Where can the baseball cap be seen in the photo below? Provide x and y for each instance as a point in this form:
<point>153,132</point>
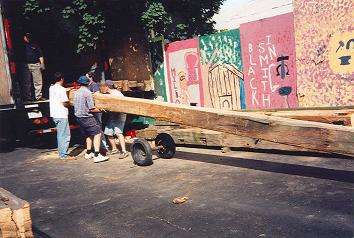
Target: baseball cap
<point>83,80</point>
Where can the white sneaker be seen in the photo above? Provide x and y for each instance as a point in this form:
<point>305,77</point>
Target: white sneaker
<point>100,158</point>
<point>89,156</point>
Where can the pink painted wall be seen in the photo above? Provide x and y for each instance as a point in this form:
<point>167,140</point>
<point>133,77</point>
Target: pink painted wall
<point>184,72</point>
<point>268,54</point>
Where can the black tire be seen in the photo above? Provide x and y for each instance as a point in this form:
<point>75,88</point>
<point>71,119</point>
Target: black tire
<point>141,152</point>
<point>168,149</point>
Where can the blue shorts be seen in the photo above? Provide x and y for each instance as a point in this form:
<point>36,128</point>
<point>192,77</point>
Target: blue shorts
<point>115,124</point>
<point>89,126</point>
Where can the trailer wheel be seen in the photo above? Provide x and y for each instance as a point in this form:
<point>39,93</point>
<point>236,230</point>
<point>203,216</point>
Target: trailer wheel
<point>141,152</point>
<point>166,146</point>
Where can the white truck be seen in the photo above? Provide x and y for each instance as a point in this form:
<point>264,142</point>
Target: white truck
<point>19,121</point>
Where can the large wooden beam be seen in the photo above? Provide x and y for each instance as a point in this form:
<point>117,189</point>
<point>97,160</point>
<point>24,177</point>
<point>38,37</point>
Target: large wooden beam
<point>310,135</point>
<point>336,116</point>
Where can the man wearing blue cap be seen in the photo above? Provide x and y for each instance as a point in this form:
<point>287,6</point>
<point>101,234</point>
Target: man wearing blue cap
<point>84,108</point>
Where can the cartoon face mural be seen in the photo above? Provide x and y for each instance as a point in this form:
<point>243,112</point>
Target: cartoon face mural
<point>222,70</point>
<point>341,52</point>
<point>268,53</point>
<point>324,33</point>
<point>184,73</point>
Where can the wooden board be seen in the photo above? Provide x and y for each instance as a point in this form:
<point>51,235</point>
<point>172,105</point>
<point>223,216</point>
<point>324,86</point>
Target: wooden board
<point>310,135</point>
<point>342,116</point>
<point>15,218</point>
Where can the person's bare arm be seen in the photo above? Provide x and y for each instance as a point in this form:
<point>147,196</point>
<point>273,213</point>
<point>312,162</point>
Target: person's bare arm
<point>66,104</point>
<point>41,60</point>
<point>95,110</point>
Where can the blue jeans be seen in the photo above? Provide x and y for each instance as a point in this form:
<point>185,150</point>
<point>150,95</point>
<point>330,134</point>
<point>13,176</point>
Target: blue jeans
<point>63,136</point>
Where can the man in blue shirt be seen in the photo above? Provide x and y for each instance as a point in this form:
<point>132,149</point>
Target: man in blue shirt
<point>84,108</point>
<point>95,87</point>
<point>33,66</point>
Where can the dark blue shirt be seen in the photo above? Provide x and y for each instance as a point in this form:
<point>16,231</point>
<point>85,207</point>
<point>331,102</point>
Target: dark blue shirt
<point>32,53</point>
<point>94,87</point>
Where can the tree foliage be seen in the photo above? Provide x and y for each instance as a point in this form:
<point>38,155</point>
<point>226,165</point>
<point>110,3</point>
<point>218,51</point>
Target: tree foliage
<point>87,21</point>
<point>81,19</point>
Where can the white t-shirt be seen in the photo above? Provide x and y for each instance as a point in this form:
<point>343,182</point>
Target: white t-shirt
<point>116,92</point>
<point>57,95</point>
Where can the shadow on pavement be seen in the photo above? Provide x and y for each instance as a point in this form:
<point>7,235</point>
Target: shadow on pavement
<point>277,151</point>
<point>39,234</point>
<point>276,167</point>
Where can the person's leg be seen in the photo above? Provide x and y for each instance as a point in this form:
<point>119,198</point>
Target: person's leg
<point>109,132</point>
<point>119,128</point>
<point>122,142</point>
<point>97,143</point>
<point>26,84</point>
<point>112,142</point>
<point>88,144</point>
<point>98,117</point>
<point>94,130</point>
<point>37,80</point>
<point>89,152</point>
<point>63,136</point>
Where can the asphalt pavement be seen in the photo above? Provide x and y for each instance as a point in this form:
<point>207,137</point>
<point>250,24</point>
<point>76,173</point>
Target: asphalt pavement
<point>238,194</point>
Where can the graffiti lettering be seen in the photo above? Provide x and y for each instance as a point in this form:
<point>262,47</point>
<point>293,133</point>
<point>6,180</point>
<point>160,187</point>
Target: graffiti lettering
<point>263,42</point>
<point>263,59</point>
<point>266,100</point>
<point>266,54</point>
<point>252,71</point>
<point>254,97</point>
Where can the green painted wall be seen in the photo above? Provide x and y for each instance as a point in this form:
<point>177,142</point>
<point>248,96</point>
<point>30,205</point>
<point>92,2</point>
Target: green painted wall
<point>222,52</point>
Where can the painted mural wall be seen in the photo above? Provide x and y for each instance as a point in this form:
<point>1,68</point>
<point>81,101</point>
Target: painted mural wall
<point>158,69</point>
<point>324,32</point>
<point>184,72</point>
<point>222,75</point>
<point>268,53</point>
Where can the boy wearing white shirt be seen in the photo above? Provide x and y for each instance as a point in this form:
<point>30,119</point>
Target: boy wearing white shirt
<point>59,103</point>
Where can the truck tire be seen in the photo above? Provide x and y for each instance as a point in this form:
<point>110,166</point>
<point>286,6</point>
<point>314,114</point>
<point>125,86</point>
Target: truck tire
<point>166,144</point>
<point>141,152</point>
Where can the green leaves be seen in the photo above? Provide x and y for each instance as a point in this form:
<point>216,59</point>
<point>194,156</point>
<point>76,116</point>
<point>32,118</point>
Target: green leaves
<point>85,22</point>
<point>82,14</point>
<point>180,19</point>
<point>156,18</point>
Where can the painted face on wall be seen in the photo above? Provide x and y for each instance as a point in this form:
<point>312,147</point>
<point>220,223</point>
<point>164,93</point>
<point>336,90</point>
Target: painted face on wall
<point>341,52</point>
<point>182,76</point>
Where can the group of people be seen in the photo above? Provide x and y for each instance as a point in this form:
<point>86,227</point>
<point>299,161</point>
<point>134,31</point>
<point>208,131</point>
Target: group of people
<point>88,117</point>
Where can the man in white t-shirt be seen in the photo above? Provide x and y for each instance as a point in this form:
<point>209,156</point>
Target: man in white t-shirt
<point>59,103</point>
